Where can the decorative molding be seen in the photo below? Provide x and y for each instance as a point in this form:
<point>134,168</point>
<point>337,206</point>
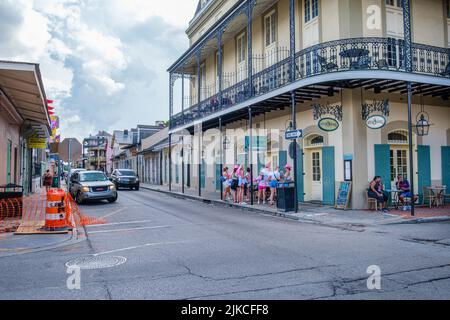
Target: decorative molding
<point>334,110</point>
<point>376,106</point>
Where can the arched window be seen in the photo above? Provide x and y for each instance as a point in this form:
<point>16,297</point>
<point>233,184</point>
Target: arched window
<point>398,137</point>
<point>314,140</point>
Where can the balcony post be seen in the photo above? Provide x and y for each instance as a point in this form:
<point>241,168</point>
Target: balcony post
<point>250,5</point>
<point>182,95</point>
<point>199,80</point>
<point>221,157</point>
<point>250,151</point>
<point>408,67</point>
<point>294,127</point>
<point>292,37</point>
<point>220,62</point>
<point>200,131</point>
<point>182,164</point>
<point>170,162</point>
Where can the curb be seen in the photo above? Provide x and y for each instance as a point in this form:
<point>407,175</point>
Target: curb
<point>221,203</point>
<point>286,215</point>
<point>421,220</point>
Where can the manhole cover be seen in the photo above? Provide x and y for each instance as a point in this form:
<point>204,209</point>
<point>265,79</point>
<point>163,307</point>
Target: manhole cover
<point>98,262</point>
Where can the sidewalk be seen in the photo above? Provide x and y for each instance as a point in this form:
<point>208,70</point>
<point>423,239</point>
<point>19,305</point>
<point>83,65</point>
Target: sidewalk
<point>315,213</point>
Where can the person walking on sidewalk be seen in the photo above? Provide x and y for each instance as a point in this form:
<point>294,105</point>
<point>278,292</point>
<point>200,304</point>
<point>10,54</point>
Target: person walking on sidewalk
<point>226,184</point>
<point>48,181</point>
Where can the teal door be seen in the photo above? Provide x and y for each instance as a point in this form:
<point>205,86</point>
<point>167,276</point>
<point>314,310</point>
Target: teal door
<point>177,173</point>
<point>218,174</point>
<point>8,162</point>
<point>203,176</point>
<point>328,169</point>
<point>382,164</point>
<point>424,168</point>
<point>299,179</point>
<point>445,155</point>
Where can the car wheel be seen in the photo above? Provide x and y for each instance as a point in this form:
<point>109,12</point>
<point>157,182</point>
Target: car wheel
<point>112,200</point>
<point>78,199</point>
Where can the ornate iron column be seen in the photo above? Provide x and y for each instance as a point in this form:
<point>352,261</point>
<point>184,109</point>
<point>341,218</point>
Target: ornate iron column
<point>250,5</point>
<point>408,67</point>
<point>292,37</point>
<point>219,64</point>
<point>294,149</point>
<point>199,80</point>
<point>221,157</point>
<point>250,151</point>
<point>170,162</point>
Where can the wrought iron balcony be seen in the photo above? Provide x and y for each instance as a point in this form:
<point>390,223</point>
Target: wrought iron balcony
<point>355,54</point>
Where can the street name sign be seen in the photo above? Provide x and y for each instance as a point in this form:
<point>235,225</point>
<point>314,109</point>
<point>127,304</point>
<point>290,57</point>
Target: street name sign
<point>294,134</point>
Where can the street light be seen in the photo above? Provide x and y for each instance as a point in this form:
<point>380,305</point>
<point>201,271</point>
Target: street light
<point>422,121</point>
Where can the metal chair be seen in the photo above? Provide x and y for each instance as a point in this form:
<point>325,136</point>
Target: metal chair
<point>428,195</point>
<point>371,201</point>
<point>446,72</point>
<point>325,65</point>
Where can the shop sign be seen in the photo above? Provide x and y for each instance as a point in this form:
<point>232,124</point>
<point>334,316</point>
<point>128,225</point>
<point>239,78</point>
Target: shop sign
<point>376,122</point>
<point>328,124</point>
<point>37,143</point>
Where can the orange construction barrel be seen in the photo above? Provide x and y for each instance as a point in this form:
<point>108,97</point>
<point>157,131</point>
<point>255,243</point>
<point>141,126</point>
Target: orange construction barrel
<point>55,211</point>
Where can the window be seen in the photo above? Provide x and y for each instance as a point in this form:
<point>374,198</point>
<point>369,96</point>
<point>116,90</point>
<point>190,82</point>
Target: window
<point>241,47</point>
<point>270,28</point>
<point>448,9</point>
<point>311,10</point>
<point>316,173</point>
<point>318,140</point>
<point>394,3</point>
<point>398,137</point>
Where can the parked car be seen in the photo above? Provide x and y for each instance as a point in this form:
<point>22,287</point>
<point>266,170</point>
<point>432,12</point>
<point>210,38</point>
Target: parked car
<point>125,178</point>
<point>92,185</point>
<point>71,172</point>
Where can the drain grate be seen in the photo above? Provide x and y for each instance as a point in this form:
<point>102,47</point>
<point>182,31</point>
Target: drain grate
<point>96,262</point>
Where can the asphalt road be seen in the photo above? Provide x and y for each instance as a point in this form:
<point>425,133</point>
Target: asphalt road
<point>180,249</point>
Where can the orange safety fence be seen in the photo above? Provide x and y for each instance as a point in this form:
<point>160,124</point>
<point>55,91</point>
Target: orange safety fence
<point>27,214</point>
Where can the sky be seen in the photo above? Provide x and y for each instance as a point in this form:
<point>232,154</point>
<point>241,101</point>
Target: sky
<point>103,62</point>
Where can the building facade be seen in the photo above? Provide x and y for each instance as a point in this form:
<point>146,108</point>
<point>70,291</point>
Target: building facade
<point>24,125</point>
<point>337,69</point>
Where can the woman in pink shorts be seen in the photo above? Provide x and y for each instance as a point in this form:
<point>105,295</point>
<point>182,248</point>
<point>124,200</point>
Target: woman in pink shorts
<point>261,188</point>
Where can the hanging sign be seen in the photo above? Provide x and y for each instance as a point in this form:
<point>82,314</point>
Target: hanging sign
<point>37,143</point>
<point>376,122</point>
<point>328,124</point>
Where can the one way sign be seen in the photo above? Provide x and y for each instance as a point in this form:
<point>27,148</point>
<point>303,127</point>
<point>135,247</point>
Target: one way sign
<point>294,134</point>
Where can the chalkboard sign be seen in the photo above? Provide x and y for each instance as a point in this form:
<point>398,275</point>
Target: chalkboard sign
<point>343,196</point>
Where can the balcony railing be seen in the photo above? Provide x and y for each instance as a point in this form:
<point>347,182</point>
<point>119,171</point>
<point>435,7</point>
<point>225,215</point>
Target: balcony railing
<point>356,54</point>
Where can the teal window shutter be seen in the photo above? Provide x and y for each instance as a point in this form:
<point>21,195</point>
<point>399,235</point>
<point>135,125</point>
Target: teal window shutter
<point>328,168</point>
<point>382,164</point>
<point>445,155</point>
<point>177,174</point>
<point>424,168</point>
<point>282,159</point>
<point>300,178</point>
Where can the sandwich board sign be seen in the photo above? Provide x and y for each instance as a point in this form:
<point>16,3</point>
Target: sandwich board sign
<point>343,196</point>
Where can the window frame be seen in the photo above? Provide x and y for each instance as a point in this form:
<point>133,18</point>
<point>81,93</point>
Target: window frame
<point>272,16</point>
<point>311,10</point>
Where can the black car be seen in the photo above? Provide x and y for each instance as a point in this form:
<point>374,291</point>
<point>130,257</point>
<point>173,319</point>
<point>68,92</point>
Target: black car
<point>125,178</point>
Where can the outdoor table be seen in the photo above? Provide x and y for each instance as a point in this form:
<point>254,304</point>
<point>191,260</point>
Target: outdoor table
<point>354,55</point>
<point>438,193</point>
<point>394,197</point>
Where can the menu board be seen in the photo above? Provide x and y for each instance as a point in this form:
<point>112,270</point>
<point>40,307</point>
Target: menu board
<point>343,196</point>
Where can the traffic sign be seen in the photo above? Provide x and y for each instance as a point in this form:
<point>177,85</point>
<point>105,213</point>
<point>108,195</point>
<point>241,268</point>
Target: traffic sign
<point>294,134</point>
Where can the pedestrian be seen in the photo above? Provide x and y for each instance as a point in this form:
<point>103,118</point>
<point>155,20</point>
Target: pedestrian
<point>261,182</point>
<point>247,180</point>
<point>235,183</point>
<point>287,175</point>
<point>48,180</point>
<point>241,174</point>
<point>274,178</point>
<point>376,191</point>
<point>226,184</point>
<point>404,190</point>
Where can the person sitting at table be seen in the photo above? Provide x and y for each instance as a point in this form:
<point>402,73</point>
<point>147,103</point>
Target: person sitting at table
<point>404,190</point>
<point>376,191</point>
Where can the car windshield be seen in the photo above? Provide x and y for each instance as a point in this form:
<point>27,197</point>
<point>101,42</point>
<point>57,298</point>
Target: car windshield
<point>92,176</point>
<point>127,173</point>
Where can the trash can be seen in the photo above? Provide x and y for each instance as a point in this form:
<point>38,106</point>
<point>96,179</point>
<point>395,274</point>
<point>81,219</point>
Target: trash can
<point>286,197</point>
<point>55,183</point>
<point>11,196</point>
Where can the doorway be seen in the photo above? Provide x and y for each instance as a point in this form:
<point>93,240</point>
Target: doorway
<point>313,168</point>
